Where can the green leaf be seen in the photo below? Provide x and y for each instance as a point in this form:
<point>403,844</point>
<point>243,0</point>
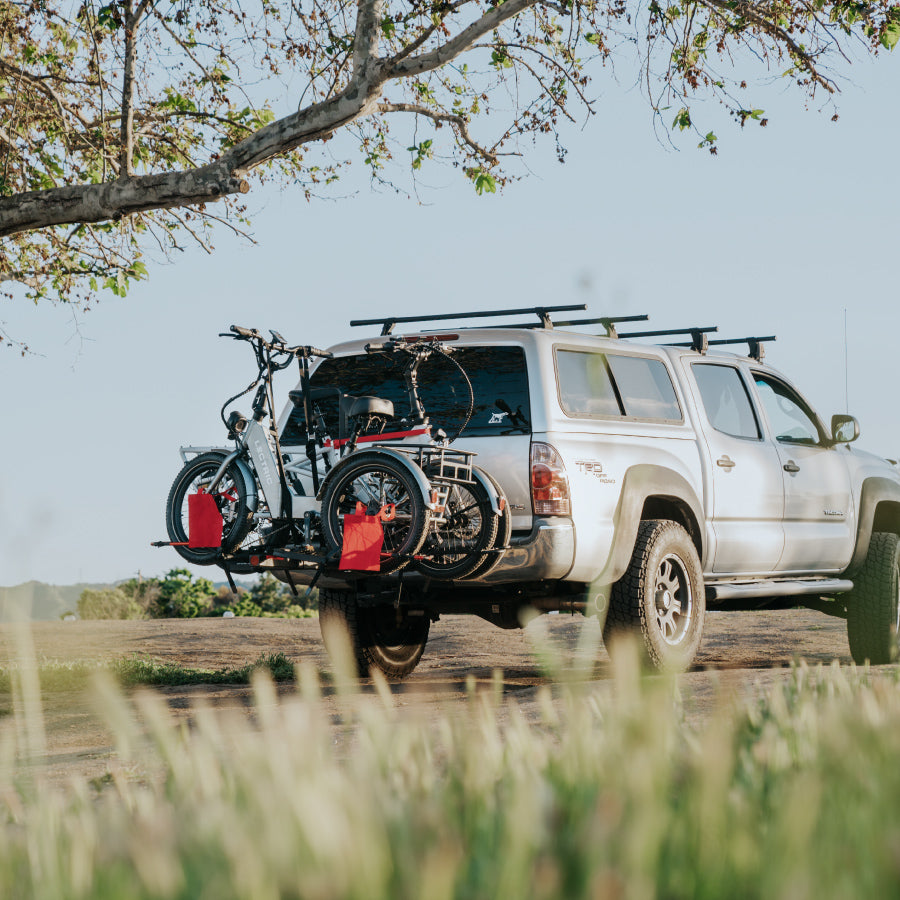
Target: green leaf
<point>500,58</point>
<point>682,120</point>
<point>891,35</point>
<point>485,182</point>
<point>592,38</point>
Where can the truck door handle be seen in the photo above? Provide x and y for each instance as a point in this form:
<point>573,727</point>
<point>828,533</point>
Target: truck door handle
<point>791,466</point>
<point>725,462</point>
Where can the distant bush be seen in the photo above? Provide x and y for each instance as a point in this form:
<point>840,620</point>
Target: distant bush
<point>180,595</point>
<point>145,592</point>
<point>273,597</point>
<point>108,604</point>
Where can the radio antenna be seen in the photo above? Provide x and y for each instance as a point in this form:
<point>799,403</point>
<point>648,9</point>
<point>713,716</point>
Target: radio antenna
<point>846,368</point>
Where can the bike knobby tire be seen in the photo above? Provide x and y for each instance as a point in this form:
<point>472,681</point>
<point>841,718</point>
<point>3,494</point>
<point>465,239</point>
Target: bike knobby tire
<point>377,480</point>
<point>231,499</point>
<point>459,543</point>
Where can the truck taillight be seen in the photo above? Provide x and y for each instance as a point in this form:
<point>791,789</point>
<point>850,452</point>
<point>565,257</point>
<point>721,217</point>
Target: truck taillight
<point>549,483</point>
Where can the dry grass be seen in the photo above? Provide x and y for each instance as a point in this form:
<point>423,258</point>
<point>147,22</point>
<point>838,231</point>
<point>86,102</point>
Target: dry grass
<point>612,795</point>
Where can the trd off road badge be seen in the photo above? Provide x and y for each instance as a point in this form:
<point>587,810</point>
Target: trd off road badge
<point>594,467</point>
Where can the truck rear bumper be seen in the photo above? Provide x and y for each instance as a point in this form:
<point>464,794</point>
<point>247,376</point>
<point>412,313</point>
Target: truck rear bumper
<point>546,553</point>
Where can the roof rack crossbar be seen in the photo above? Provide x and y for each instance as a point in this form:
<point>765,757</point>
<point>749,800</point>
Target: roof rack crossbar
<point>699,340</point>
<point>754,344</point>
<point>608,322</point>
<point>387,323</point>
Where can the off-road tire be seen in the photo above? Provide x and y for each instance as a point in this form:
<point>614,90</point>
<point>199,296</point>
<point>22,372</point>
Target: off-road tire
<point>873,606</point>
<point>660,599</point>
<point>237,513</point>
<point>376,640</point>
<point>403,537</point>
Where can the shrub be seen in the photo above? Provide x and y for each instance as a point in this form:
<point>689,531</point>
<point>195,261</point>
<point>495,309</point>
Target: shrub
<point>183,597</point>
<point>108,604</point>
<point>145,592</point>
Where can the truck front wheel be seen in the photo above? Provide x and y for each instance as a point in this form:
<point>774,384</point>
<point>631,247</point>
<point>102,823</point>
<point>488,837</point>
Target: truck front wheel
<point>379,639</point>
<point>660,599</point>
<point>873,606</point>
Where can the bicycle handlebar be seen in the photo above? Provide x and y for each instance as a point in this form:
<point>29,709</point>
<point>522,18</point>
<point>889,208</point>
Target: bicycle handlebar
<point>277,344</point>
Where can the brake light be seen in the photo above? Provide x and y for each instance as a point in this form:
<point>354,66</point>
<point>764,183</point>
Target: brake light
<point>415,338</point>
<point>549,482</point>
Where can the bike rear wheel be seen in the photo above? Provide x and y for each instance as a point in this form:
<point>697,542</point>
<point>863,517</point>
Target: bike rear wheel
<point>377,480</point>
<point>458,544</point>
<point>231,499</point>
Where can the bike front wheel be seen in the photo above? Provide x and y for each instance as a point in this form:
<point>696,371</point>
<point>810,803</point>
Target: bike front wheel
<point>231,499</point>
<point>377,481</point>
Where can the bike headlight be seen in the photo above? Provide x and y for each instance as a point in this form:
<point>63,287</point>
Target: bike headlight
<point>237,423</point>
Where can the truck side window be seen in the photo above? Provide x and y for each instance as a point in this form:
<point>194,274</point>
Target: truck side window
<point>614,385</point>
<point>585,388</point>
<point>645,387</point>
<point>792,421</point>
<point>726,401</point>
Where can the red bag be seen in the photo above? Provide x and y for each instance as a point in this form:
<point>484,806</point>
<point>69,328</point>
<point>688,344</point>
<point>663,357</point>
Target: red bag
<point>363,540</point>
<point>204,521</point>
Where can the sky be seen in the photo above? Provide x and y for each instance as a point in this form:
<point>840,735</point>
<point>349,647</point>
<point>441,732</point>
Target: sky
<point>787,231</point>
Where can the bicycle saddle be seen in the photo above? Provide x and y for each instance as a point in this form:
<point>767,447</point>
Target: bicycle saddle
<point>371,406</point>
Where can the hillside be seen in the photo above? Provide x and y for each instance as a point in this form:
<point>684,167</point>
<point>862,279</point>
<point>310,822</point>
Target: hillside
<point>39,601</point>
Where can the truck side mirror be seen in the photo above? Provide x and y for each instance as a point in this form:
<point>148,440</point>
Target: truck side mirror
<point>844,429</point>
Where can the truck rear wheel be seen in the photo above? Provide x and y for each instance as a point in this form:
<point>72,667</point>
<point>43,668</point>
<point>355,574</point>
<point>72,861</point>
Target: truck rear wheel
<point>377,639</point>
<point>873,606</point>
<point>660,599</point>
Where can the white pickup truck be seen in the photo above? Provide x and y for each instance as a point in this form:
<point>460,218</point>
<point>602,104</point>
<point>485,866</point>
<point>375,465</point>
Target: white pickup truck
<point>645,482</point>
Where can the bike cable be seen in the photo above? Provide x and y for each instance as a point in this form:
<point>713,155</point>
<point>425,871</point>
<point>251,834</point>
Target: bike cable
<point>440,350</point>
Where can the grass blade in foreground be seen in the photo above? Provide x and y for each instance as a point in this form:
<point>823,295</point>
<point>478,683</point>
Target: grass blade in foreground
<point>607,796</point>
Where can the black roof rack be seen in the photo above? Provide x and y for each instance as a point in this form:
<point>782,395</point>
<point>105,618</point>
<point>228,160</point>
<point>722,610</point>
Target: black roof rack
<point>608,322</point>
<point>699,340</point>
<point>755,345</point>
<point>387,323</point>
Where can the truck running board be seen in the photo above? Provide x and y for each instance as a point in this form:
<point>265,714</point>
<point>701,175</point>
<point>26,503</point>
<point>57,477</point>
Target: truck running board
<point>746,590</point>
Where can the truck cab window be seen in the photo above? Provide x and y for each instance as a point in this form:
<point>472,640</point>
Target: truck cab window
<point>725,400</point>
<point>792,421</point>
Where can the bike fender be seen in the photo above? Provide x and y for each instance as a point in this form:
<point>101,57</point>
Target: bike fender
<point>418,475</point>
<point>242,467</point>
<point>481,477</point>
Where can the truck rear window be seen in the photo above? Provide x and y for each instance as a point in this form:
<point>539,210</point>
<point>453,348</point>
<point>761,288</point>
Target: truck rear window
<point>499,382</point>
<point>615,385</point>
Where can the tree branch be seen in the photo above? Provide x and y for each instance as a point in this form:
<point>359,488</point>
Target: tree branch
<point>365,40</point>
<point>434,59</point>
<point>126,126</point>
<point>749,11</point>
<point>102,202</point>
<point>457,122</point>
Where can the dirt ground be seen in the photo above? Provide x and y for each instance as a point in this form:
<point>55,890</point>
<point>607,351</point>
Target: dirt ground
<point>741,652</point>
